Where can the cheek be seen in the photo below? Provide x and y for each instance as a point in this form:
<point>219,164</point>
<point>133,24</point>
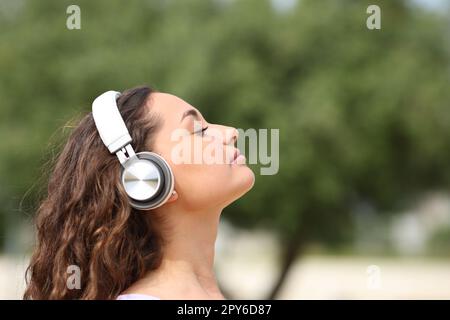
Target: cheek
<point>203,185</point>
<point>202,177</point>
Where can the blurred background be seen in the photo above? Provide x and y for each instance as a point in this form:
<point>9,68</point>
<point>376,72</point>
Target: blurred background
<point>360,206</point>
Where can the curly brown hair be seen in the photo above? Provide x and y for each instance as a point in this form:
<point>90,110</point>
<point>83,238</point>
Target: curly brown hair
<point>85,218</point>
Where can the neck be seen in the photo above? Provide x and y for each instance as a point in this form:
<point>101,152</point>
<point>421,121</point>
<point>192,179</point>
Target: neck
<point>188,254</point>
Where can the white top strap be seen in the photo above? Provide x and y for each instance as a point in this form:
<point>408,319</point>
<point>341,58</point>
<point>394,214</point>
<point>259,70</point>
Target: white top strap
<point>109,122</point>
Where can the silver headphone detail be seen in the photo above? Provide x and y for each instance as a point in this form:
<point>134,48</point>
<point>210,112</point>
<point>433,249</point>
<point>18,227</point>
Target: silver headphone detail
<point>146,176</point>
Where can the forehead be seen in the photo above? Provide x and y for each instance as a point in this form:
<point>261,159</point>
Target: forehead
<point>169,107</point>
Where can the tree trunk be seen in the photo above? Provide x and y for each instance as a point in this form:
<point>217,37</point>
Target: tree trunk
<point>289,253</point>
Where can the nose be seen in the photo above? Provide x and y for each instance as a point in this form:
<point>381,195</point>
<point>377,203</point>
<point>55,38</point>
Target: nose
<point>232,135</point>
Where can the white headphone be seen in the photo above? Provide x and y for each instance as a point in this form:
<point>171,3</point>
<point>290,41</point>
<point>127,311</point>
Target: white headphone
<point>147,178</point>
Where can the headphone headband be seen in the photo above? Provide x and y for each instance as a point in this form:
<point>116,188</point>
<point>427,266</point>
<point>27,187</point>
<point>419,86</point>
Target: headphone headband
<point>109,122</point>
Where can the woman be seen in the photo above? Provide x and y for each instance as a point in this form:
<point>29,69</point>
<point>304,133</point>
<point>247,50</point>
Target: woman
<point>122,252</point>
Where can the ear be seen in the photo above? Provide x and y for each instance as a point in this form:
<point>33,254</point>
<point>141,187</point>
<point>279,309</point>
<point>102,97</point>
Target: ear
<point>173,197</point>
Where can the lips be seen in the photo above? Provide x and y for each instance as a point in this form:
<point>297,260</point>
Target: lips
<point>236,154</point>
<point>238,158</point>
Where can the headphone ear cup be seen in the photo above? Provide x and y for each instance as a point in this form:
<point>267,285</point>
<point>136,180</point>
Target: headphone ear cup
<point>155,183</point>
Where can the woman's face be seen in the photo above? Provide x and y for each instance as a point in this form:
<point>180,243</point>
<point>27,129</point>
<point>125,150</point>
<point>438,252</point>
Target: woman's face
<point>201,160</point>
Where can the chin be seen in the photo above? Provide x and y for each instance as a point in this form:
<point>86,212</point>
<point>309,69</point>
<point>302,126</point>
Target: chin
<point>243,180</point>
<point>246,179</point>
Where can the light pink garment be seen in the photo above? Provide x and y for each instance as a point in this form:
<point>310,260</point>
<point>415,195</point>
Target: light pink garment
<point>136,296</point>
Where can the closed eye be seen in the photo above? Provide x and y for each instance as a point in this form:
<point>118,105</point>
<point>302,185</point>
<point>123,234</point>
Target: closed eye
<point>202,132</point>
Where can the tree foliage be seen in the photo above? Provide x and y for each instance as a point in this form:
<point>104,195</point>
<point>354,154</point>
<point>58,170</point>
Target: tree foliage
<point>363,115</point>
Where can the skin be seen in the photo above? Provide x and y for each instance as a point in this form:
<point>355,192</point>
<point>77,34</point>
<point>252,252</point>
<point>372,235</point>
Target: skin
<point>192,213</point>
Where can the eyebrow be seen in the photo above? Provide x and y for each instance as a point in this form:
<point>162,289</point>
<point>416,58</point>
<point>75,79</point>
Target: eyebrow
<point>190,112</point>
